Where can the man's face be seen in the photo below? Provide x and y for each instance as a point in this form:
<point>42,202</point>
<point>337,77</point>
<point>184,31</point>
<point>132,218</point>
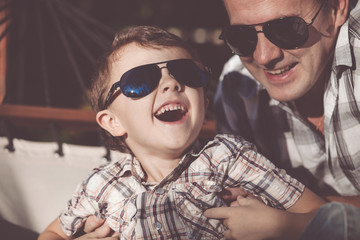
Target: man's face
<point>287,74</point>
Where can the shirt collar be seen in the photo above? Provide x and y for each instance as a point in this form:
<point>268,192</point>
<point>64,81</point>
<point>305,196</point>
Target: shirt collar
<point>130,165</point>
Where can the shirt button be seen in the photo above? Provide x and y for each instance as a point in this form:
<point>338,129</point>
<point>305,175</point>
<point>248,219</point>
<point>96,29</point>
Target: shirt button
<point>157,225</point>
<point>160,191</point>
<point>217,188</point>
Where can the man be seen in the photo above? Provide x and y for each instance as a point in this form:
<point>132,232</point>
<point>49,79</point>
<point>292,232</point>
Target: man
<point>302,109</point>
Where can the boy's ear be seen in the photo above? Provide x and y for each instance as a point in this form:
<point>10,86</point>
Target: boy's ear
<point>108,121</point>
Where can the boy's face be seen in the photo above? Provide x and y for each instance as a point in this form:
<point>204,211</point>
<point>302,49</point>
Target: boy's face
<point>166,121</point>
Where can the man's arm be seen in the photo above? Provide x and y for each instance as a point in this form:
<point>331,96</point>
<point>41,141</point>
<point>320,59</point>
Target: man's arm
<point>249,218</point>
<point>94,228</point>
<point>53,232</point>
<point>353,200</point>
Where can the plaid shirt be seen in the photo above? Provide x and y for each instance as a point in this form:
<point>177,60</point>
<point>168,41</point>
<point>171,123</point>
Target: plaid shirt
<point>324,163</point>
<point>173,208</point>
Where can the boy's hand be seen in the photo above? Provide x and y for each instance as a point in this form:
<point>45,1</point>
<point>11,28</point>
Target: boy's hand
<point>95,228</point>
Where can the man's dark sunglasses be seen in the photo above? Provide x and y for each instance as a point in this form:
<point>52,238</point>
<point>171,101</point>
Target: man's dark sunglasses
<point>142,80</point>
<point>286,33</point>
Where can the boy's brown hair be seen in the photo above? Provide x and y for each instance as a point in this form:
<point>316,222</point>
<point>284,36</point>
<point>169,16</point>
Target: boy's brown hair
<point>145,36</point>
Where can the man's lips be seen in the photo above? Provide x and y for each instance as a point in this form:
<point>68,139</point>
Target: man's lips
<point>280,71</point>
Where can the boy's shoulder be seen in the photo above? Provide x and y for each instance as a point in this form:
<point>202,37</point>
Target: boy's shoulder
<point>231,142</point>
<point>225,146</point>
<point>108,172</point>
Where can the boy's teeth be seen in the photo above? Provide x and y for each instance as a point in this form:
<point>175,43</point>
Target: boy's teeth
<point>169,108</point>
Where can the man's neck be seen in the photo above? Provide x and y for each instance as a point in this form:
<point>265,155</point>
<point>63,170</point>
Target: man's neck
<point>311,105</point>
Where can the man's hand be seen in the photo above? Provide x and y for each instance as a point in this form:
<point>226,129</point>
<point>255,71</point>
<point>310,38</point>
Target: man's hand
<point>230,195</point>
<point>96,228</point>
<point>248,218</point>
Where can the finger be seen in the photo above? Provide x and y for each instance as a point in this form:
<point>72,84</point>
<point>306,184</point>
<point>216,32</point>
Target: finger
<point>218,213</point>
<point>111,238</point>
<point>244,201</point>
<point>235,203</point>
<point>232,193</point>
<point>92,223</point>
<point>248,201</point>
<point>228,235</point>
<point>103,231</point>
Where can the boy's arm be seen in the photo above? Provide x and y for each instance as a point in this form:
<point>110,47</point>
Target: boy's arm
<point>307,202</point>
<point>53,232</point>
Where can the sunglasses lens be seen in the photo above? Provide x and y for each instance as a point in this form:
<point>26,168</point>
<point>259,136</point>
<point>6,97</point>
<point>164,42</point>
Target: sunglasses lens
<point>140,81</point>
<point>287,33</point>
<point>242,40</point>
<point>188,73</point>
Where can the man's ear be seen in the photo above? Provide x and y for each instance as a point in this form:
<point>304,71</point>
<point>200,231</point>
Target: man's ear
<point>341,8</point>
<point>110,122</point>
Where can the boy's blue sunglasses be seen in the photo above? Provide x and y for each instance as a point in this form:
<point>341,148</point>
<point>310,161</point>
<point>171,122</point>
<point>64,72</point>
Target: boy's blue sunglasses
<point>142,80</point>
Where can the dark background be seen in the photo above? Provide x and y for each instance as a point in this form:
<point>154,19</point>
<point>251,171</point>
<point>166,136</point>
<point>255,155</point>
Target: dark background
<point>54,44</point>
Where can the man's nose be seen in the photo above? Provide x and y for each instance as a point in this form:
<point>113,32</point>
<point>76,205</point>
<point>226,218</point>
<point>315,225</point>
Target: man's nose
<point>266,52</point>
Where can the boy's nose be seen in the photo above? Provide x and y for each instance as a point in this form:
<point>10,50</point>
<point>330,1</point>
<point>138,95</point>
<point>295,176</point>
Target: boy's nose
<point>168,82</point>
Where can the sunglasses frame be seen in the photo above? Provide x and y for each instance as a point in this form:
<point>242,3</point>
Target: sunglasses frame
<point>115,89</point>
<point>266,33</point>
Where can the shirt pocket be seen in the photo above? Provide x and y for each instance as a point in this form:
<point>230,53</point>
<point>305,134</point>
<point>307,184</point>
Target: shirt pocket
<point>121,217</point>
<point>198,196</point>
<point>192,199</point>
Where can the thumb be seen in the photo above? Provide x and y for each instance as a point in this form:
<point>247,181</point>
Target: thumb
<point>218,213</point>
<point>241,201</point>
<point>103,231</point>
<point>92,223</point>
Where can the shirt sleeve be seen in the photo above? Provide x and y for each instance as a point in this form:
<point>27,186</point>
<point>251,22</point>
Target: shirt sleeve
<point>79,207</point>
<point>250,170</point>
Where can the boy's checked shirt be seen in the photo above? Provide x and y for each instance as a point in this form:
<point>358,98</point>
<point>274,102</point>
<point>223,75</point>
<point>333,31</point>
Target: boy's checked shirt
<point>173,208</point>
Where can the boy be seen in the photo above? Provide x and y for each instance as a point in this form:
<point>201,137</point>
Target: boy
<point>160,189</point>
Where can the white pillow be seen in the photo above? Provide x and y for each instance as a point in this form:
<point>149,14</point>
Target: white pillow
<point>35,184</point>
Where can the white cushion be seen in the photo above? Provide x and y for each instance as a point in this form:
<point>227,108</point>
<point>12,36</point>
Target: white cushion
<point>35,183</point>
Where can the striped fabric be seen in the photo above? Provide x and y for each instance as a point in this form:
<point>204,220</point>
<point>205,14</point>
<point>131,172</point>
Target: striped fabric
<point>173,208</point>
<point>342,113</point>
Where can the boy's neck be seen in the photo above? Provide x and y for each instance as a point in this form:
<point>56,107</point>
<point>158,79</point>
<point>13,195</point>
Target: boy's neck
<point>157,168</point>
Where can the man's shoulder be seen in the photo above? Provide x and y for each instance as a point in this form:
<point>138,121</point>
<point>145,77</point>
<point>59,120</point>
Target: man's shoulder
<point>234,64</point>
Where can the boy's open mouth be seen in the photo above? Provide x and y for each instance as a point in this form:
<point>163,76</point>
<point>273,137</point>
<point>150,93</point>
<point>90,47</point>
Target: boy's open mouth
<point>171,113</point>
